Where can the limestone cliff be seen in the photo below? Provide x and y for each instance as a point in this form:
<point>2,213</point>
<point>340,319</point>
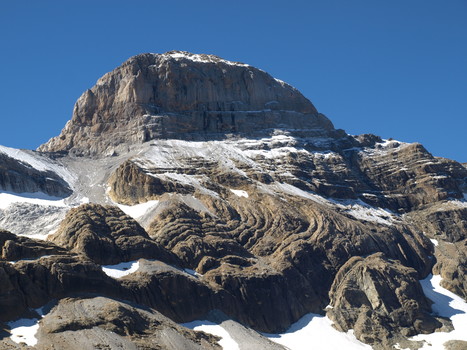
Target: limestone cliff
<point>181,95</point>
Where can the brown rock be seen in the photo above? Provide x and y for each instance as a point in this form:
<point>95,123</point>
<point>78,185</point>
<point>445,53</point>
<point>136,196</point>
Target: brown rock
<point>177,93</point>
<point>15,247</point>
<point>31,284</point>
<point>101,323</point>
<point>446,222</point>
<point>106,235</point>
<point>381,300</point>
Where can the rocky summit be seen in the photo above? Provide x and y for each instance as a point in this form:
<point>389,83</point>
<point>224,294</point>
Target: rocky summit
<point>197,203</point>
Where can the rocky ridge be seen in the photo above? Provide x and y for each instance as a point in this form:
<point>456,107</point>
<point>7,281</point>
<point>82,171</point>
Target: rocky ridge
<point>240,197</point>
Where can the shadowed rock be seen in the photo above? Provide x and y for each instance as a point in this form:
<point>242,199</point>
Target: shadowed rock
<point>20,177</point>
<point>15,247</point>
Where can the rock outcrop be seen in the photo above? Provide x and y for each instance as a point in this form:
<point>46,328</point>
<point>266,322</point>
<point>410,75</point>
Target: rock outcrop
<point>106,235</point>
<point>380,299</point>
<point>446,224</point>
<point>15,247</point>
<point>102,323</point>
<point>31,284</point>
<point>20,177</point>
<point>178,94</point>
<point>243,199</point>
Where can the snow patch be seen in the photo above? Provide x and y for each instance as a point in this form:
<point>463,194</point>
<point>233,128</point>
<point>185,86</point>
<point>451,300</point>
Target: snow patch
<point>240,193</point>
<point>24,330</point>
<point>316,331</point>
<point>40,198</point>
<point>227,342</point>
<point>295,191</point>
<point>445,304</point>
<point>203,58</point>
<point>38,162</point>
<point>138,210</point>
<point>362,211</point>
<point>121,270</point>
<point>192,273</point>
<point>434,241</point>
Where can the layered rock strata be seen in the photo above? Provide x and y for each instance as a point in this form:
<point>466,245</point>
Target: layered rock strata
<point>178,94</point>
<point>243,199</point>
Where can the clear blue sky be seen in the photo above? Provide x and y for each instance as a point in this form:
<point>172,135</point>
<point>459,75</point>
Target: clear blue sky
<point>394,68</point>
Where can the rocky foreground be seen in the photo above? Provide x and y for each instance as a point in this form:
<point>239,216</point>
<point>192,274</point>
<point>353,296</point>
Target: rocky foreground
<point>231,199</point>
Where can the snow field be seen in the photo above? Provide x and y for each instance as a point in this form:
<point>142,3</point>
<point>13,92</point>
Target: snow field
<point>445,304</point>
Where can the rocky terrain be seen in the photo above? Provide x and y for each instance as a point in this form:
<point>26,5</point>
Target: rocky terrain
<point>187,188</point>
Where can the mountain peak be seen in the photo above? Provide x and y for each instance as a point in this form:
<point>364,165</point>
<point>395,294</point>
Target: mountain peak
<point>182,95</point>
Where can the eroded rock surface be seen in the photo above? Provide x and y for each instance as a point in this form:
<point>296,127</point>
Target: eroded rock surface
<point>244,199</point>
<point>446,224</point>
<point>21,177</point>
<point>101,323</point>
<point>177,93</point>
<point>106,235</point>
<point>380,299</point>
<point>15,247</point>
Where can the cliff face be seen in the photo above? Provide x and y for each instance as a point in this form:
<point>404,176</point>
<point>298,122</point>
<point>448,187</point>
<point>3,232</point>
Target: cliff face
<point>182,95</point>
<point>234,195</point>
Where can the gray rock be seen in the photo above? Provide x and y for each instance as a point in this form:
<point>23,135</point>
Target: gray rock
<point>178,94</point>
<point>107,235</point>
<point>381,300</point>
<point>102,323</point>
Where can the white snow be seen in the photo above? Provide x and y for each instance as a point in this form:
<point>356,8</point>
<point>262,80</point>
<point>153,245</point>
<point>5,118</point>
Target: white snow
<point>446,304</point>
<point>121,270</point>
<point>40,198</point>
<point>24,330</point>
<point>138,210</point>
<point>316,332</point>
<point>356,208</point>
<point>240,193</point>
<point>192,273</point>
<point>203,58</point>
<point>310,329</point>
<point>38,162</point>
<point>226,342</point>
<point>434,241</point>
<point>362,211</point>
<point>295,191</point>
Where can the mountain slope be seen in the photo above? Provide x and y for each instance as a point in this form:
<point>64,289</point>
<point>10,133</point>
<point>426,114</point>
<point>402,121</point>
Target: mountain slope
<point>234,194</point>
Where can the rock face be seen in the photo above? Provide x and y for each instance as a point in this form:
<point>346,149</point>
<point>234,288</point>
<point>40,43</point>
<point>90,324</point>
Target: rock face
<point>446,223</point>
<point>107,236</point>
<point>15,247</point>
<point>19,176</point>
<point>32,284</point>
<point>380,299</point>
<point>178,94</point>
<point>101,323</point>
<point>235,197</point>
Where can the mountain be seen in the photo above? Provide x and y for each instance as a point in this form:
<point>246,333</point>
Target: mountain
<point>191,192</point>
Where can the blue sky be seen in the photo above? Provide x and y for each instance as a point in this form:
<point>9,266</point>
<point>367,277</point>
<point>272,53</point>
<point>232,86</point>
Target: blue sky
<point>393,68</point>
